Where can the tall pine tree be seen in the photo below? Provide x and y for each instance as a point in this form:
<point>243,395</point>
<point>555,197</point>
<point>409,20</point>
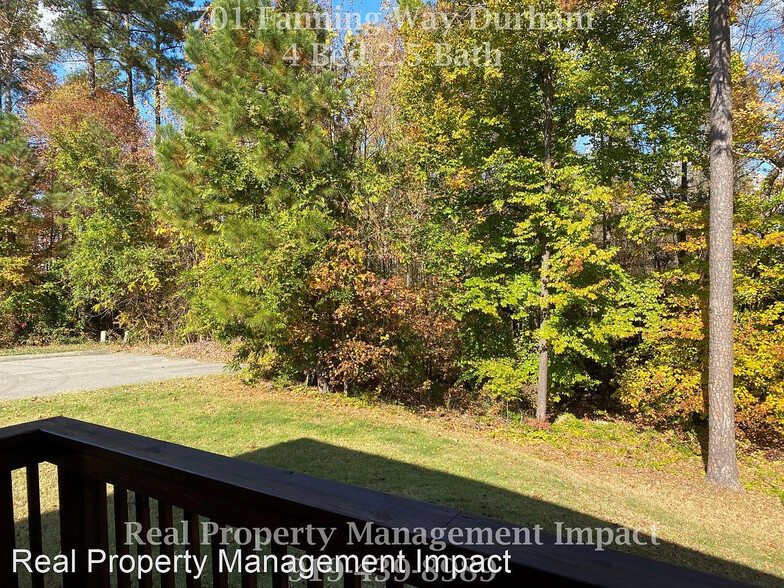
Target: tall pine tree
<point>722,458</point>
<point>22,46</point>
<point>254,174</point>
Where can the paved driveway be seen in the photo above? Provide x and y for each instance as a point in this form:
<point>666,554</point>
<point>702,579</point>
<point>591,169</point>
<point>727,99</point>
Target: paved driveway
<point>22,376</point>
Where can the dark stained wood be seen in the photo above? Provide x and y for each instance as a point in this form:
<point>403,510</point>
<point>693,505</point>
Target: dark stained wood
<point>166,521</point>
<point>97,526</point>
<point>351,580</point>
<point>83,526</point>
<point>249,580</point>
<point>29,446</point>
<point>194,546</point>
<point>71,527</point>
<point>7,531</point>
<point>239,493</point>
<point>143,517</point>
<point>279,580</point>
<point>120,520</point>
<point>220,578</point>
<point>34,519</point>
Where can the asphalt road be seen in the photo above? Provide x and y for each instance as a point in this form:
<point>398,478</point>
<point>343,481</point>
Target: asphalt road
<point>23,376</point>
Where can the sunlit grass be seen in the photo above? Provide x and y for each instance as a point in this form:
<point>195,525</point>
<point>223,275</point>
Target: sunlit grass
<point>579,472</point>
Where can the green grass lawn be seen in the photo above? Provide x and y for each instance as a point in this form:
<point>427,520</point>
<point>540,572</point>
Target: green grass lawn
<point>44,349</point>
<point>581,473</point>
<point>202,351</point>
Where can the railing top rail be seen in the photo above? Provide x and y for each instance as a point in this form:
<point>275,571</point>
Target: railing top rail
<point>238,492</point>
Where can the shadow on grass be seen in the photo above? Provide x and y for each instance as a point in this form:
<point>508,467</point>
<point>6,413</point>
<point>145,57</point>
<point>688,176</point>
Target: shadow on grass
<point>378,473</point>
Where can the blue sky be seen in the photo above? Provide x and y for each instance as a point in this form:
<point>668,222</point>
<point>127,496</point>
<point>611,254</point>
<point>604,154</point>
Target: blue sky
<point>362,6</point>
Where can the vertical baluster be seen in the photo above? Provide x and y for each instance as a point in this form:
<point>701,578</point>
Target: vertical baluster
<point>7,531</point>
<point>220,579</point>
<point>143,517</point>
<point>166,521</point>
<point>279,579</point>
<point>34,519</point>
<point>194,546</point>
<point>84,525</point>
<point>98,525</point>
<point>71,522</point>
<point>120,525</point>
<point>249,580</point>
<point>315,583</point>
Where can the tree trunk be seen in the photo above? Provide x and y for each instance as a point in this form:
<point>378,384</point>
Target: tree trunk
<point>129,66</point>
<point>90,11</point>
<point>158,104</point>
<point>322,382</point>
<point>129,87</point>
<point>6,104</point>
<point>158,79</point>
<point>722,459</point>
<point>681,235</point>
<point>544,352</point>
<point>542,387</point>
<point>91,70</point>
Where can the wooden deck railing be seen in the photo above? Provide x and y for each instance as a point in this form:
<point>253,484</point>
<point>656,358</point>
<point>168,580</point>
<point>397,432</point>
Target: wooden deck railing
<point>155,476</point>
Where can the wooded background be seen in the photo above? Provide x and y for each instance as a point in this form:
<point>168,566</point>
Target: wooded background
<point>424,233</point>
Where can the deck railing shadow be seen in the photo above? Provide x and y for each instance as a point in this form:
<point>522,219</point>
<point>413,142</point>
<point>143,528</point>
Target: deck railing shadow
<point>107,478</point>
<point>324,460</point>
